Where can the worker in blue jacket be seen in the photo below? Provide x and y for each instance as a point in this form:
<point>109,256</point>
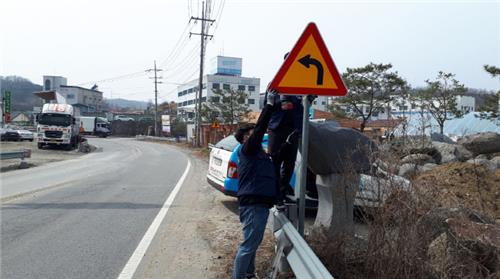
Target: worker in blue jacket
<point>257,188</point>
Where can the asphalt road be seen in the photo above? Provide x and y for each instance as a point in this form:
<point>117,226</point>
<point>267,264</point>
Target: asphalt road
<point>83,218</point>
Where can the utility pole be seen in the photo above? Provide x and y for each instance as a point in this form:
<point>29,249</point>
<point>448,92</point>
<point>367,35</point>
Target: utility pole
<point>156,95</point>
<point>203,35</point>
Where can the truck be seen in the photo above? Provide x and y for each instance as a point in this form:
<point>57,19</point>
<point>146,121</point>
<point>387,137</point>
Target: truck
<point>58,125</point>
<point>96,126</point>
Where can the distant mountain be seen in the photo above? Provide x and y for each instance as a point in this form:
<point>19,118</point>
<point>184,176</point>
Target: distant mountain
<point>21,91</point>
<point>123,103</point>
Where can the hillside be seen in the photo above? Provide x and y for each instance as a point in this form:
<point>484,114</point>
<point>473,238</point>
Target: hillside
<point>123,103</point>
<point>22,92</point>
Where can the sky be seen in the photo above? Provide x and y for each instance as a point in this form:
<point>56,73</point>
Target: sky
<point>112,42</point>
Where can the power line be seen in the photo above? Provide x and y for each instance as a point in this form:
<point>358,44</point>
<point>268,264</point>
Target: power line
<point>182,39</point>
<point>188,56</point>
<point>184,66</point>
<point>131,75</point>
<point>174,90</point>
<point>219,15</point>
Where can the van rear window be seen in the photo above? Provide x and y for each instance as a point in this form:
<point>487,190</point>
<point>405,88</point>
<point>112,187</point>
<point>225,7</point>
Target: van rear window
<point>228,143</point>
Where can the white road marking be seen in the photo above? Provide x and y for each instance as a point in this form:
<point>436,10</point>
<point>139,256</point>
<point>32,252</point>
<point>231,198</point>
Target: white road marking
<point>134,261</point>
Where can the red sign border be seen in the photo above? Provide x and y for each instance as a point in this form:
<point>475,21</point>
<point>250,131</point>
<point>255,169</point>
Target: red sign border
<point>311,30</point>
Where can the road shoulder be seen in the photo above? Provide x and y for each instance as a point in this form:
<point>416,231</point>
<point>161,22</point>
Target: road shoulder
<point>200,234</point>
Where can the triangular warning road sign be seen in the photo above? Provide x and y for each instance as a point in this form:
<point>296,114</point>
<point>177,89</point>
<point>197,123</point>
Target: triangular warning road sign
<point>309,68</point>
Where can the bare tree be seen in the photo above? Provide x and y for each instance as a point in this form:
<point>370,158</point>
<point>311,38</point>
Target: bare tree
<point>371,88</point>
<point>227,105</point>
<point>490,109</point>
<point>440,97</point>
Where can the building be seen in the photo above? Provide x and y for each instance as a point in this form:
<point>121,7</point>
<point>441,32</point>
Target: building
<point>53,82</point>
<point>225,74</point>
<point>320,103</point>
<point>57,90</point>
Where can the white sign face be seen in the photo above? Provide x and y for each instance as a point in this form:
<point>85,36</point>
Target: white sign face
<point>166,128</point>
<point>165,120</point>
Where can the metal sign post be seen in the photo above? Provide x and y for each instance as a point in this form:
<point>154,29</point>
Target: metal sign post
<point>308,70</point>
<point>303,167</point>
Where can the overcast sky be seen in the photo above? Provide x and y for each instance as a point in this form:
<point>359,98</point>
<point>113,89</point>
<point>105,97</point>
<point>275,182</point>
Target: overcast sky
<point>94,40</point>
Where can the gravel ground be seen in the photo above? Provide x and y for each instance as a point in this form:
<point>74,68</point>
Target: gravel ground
<point>38,157</point>
<point>201,233</point>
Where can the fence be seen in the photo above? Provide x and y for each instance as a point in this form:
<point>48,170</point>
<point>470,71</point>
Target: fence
<point>211,135</point>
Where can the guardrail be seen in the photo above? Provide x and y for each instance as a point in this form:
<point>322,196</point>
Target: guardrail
<point>293,249</point>
<point>171,139</point>
<point>22,154</point>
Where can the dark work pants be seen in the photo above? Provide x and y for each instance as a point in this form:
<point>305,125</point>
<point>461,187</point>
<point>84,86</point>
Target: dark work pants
<point>283,157</point>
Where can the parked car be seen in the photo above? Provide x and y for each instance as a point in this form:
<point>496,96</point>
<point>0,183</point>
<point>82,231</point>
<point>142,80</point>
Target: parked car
<point>25,135</point>
<point>123,118</point>
<point>223,175</point>
<point>223,170</point>
<point>10,135</point>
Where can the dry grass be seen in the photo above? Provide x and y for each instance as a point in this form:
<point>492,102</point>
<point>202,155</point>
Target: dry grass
<point>472,186</point>
<point>400,231</point>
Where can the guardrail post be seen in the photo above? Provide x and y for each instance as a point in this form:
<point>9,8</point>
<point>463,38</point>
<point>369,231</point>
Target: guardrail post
<point>336,194</point>
<point>280,263</point>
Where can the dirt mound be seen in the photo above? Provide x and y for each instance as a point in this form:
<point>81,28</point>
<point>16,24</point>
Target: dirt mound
<point>464,184</point>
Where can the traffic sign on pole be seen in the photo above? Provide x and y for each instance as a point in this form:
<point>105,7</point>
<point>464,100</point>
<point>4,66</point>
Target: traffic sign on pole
<point>309,69</point>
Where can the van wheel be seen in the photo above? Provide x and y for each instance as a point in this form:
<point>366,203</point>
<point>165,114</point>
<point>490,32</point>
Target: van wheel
<point>40,145</point>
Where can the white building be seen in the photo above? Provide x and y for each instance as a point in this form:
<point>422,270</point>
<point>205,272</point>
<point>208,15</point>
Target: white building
<point>53,82</point>
<point>320,103</point>
<point>224,75</point>
<point>466,103</point>
<point>55,87</point>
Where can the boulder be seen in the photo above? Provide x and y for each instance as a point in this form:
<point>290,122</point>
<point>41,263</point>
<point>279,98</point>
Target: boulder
<point>433,223</point>
<point>431,151</point>
<point>481,157</point>
<point>482,143</point>
<point>496,161</point>
<point>466,250</point>
<point>484,162</point>
<point>441,138</point>
<point>333,149</point>
<point>408,170</point>
<point>428,166</point>
<point>447,152</point>
<point>419,159</point>
<point>462,153</point>
<point>451,152</point>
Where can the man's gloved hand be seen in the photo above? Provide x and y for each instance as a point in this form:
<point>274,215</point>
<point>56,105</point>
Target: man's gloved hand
<point>272,98</point>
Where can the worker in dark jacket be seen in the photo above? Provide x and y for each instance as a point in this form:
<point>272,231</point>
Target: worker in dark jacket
<point>257,190</point>
<point>284,130</point>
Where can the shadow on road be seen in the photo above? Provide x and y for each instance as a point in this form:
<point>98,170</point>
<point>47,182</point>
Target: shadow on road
<point>82,205</point>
